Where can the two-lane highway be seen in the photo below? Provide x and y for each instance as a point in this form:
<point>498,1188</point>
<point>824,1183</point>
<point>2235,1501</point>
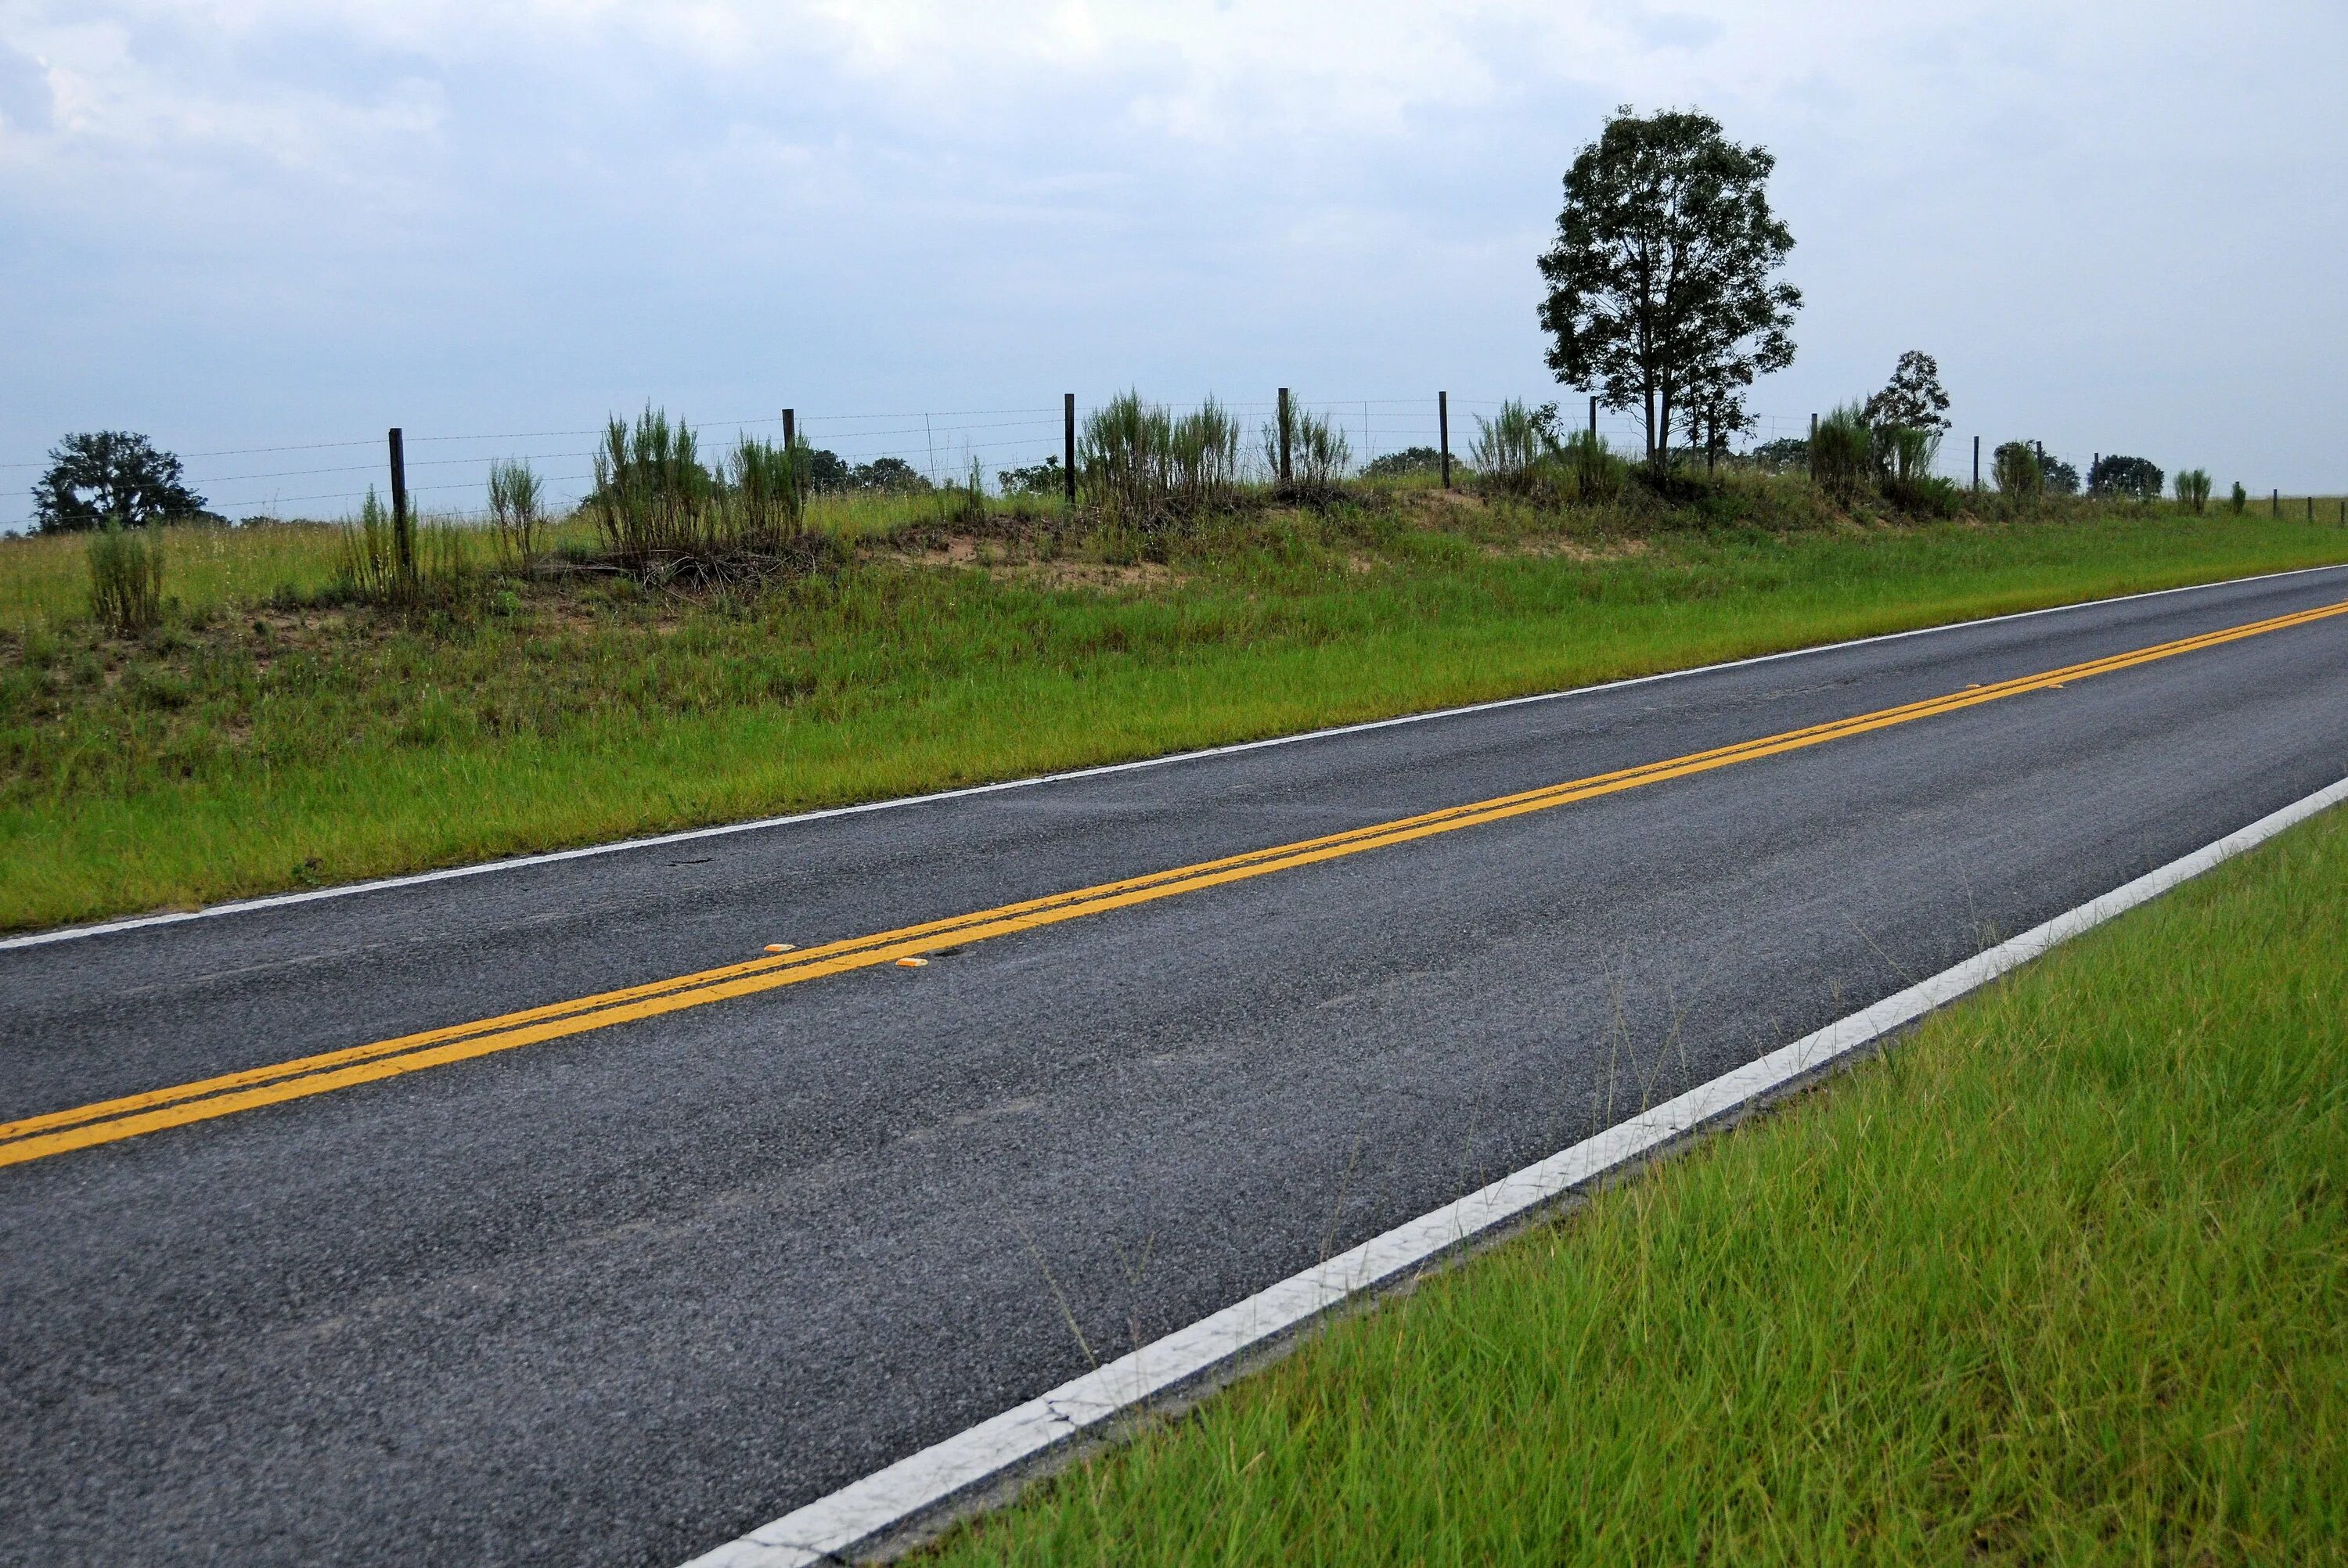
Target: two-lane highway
<point>544,1215</point>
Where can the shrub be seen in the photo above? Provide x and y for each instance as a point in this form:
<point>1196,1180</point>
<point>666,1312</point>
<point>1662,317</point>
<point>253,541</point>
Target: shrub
<point>892,476</point>
<point>2193,490</point>
<point>1408,462</point>
<point>1841,453</point>
<point>126,577</point>
<point>2239,500</point>
<point>1045,478</point>
<point>2014,465</point>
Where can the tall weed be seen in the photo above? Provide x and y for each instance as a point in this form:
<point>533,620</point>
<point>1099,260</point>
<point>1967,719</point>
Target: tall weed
<point>1511,447</point>
<point>368,564</point>
<point>516,508</point>
<point>126,577</point>
<point>1319,454</point>
<point>1842,459</point>
<point>2193,490</point>
<point>2015,467</point>
<point>1140,467</point>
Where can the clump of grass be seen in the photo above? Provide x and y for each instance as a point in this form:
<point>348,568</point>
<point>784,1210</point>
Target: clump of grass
<point>367,568</point>
<point>1142,469</point>
<point>653,495</point>
<point>1904,457</point>
<point>2193,490</point>
<point>517,509</point>
<point>666,515</point>
<point>965,504</point>
<point>1511,448</point>
<point>1842,453</point>
<point>126,577</point>
<point>767,492</point>
<point>1319,455</point>
<point>1203,454</point>
<point>1599,474</point>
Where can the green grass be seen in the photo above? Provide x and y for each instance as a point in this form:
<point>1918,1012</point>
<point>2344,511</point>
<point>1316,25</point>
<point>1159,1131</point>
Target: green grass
<point>2062,1278</point>
<point>242,750</point>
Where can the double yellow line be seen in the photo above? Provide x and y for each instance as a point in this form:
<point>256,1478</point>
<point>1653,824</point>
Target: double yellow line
<point>110,1121</point>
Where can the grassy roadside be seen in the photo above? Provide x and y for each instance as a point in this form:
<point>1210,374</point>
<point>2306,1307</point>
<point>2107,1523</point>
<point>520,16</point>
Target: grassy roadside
<point>2063,1278</point>
<point>261,743</point>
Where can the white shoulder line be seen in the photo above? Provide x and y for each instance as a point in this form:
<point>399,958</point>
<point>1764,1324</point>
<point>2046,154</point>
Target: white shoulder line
<point>829,1529</point>
<point>687,836</point>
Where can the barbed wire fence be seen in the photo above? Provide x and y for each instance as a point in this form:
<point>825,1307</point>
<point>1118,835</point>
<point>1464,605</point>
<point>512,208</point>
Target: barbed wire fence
<point>447,473</point>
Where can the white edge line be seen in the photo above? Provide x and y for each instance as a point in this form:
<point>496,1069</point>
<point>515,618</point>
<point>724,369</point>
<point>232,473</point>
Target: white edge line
<point>687,836</point>
<point>832,1528</point>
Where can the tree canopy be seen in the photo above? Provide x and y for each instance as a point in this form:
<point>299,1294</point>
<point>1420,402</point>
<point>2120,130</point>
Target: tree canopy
<point>1912,399</point>
<point>1660,291</point>
<point>101,476</point>
<point>2137,478</point>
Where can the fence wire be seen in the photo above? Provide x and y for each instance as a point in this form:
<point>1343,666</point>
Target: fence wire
<point>940,445</point>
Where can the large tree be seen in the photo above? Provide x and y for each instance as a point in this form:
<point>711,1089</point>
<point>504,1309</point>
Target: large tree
<point>1660,291</point>
<point>103,476</point>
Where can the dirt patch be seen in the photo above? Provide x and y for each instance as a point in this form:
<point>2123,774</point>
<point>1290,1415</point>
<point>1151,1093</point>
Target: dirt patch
<point>1557,547</point>
<point>1098,575</point>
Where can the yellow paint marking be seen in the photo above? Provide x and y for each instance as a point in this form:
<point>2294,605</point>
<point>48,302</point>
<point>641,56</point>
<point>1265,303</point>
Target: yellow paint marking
<point>109,1120</point>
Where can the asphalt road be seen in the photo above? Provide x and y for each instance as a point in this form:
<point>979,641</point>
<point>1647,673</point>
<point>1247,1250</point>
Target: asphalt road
<point>621,1297</point>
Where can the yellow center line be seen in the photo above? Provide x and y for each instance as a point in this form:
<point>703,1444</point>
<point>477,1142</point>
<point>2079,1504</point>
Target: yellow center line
<point>109,1120</point>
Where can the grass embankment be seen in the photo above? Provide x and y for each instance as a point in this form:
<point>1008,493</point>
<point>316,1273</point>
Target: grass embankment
<point>2062,1278</point>
<point>268,737</point>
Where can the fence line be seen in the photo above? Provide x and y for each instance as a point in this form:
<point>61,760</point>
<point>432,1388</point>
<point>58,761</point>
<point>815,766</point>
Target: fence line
<point>938,444</point>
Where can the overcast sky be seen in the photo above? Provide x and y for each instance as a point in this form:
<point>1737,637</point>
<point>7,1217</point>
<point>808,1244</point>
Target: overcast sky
<point>2119,225</point>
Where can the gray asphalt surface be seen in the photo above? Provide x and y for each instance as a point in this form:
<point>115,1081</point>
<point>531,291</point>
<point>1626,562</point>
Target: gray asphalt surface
<point>617,1298</point>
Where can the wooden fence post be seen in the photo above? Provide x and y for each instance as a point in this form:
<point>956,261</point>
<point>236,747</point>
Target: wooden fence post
<point>1976,463</point>
<point>1284,435</point>
<point>403,532</point>
<point>2274,502</point>
<point>791,428</point>
<point>1593,419</point>
<point>1443,430</point>
<point>1068,444</point>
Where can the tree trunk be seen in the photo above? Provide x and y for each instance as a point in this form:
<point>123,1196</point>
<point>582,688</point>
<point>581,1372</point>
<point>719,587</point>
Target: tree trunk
<point>1650,421</point>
